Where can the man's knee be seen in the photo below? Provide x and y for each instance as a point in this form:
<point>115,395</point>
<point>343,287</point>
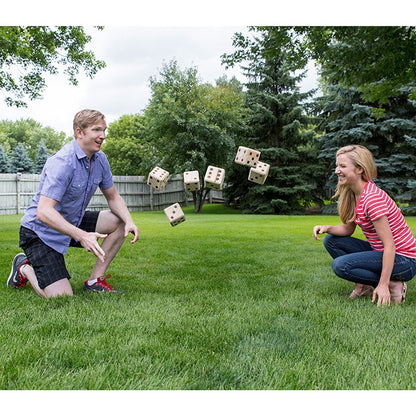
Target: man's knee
<point>60,288</point>
<point>108,223</point>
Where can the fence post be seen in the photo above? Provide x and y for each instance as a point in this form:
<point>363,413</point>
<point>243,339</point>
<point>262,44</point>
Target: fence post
<point>18,179</point>
<point>151,198</point>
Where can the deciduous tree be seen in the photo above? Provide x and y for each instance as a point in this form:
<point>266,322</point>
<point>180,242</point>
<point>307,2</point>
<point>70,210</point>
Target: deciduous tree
<point>27,53</point>
<point>193,125</point>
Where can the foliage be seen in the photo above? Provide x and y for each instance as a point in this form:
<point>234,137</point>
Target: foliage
<point>125,146</point>
<point>255,306</point>
<point>391,138</point>
<point>30,133</point>
<point>377,60</point>
<point>41,157</point>
<point>4,161</point>
<point>20,160</point>
<point>279,126</point>
<point>27,53</point>
<point>193,125</point>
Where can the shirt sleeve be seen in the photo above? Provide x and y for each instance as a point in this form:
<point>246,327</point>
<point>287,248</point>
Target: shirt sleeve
<point>57,176</point>
<point>375,207</point>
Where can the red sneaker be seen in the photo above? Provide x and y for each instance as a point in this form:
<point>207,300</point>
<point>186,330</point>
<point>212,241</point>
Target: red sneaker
<point>101,285</point>
<point>16,279</point>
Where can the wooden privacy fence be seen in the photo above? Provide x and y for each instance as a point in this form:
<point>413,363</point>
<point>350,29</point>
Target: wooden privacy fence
<point>17,191</point>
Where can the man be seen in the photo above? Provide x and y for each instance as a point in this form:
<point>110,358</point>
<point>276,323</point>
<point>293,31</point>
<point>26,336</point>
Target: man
<point>58,218</point>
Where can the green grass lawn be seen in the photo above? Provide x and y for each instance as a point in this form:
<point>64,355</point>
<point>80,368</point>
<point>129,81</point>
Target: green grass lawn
<point>221,301</point>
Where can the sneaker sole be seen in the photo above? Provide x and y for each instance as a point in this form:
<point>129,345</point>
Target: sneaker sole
<point>14,269</point>
<point>103,291</point>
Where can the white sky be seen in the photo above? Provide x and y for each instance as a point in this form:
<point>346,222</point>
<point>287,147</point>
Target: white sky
<point>138,38</point>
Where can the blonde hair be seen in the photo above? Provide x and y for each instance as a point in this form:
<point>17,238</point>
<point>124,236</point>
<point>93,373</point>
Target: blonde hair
<point>362,158</point>
<point>86,118</point>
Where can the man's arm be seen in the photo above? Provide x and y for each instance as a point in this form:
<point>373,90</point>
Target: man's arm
<point>47,214</point>
<point>118,207</point>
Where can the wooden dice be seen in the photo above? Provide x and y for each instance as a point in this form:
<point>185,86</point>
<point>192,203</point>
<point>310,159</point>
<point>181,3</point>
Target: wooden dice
<point>259,173</point>
<point>191,180</point>
<point>214,177</point>
<point>175,214</point>
<point>158,178</point>
<point>247,157</point>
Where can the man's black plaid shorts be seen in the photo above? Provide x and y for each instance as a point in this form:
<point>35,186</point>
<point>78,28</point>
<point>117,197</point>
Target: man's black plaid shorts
<point>48,264</point>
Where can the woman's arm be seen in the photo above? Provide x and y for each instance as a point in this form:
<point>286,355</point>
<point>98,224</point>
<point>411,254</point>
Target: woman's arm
<point>383,230</point>
<point>341,230</point>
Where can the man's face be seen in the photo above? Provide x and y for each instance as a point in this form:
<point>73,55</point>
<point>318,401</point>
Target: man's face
<point>91,138</point>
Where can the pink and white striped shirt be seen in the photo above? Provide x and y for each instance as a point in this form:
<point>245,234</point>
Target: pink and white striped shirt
<point>372,205</point>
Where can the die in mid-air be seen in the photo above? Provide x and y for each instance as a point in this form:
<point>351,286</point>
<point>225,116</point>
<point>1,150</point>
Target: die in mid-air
<point>175,214</point>
<point>191,180</point>
<point>158,178</point>
<point>247,157</point>
<point>259,173</point>
<point>214,177</point>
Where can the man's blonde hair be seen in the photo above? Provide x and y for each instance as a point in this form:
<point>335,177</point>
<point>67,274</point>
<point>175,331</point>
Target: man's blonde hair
<point>362,158</point>
<point>86,118</point>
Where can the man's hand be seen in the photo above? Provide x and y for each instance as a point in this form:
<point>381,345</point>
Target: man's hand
<point>131,228</point>
<point>90,244</point>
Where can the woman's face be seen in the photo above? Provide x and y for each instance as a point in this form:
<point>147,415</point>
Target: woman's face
<point>347,172</point>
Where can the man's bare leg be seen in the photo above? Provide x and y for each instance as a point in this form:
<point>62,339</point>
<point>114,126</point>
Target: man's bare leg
<point>60,288</point>
<point>109,224</point>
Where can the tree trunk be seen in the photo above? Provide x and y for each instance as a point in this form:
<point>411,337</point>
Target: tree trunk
<point>199,198</point>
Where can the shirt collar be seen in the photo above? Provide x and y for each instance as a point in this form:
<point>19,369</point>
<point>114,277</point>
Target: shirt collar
<point>80,153</point>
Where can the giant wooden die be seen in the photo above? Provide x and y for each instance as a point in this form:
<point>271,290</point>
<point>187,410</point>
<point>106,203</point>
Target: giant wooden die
<point>259,173</point>
<point>214,177</point>
<point>247,157</point>
<point>158,178</point>
<point>191,180</point>
<point>175,214</point>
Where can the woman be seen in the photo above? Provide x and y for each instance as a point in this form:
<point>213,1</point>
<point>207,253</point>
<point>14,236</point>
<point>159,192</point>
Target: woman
<point>382,264</point>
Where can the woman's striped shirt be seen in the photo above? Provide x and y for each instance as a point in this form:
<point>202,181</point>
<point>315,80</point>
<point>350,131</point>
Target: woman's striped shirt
<point>372,205</point>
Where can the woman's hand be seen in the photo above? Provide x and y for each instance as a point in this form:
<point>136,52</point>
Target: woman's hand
<point>383,293</point>
<point>319,229</point>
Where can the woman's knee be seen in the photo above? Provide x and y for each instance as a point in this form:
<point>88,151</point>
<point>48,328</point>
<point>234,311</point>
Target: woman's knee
<point>338,267</point>
<point>327,241</point>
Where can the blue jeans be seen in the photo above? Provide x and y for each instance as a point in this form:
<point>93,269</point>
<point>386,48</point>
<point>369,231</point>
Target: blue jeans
<point>356,261</point>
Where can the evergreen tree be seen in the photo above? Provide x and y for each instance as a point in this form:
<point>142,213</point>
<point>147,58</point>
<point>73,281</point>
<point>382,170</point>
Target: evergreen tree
<point>279,129</point>
<point>41,157</point>
<point>20,161</point>
<point>391,137</point>
<point>4,161</point>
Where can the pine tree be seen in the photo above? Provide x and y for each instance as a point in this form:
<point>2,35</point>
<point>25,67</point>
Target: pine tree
<point>20,161</point>
<point>4,161</point>
<point>391,138</point>
<point>279,130</point>
<point>41,157</point>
